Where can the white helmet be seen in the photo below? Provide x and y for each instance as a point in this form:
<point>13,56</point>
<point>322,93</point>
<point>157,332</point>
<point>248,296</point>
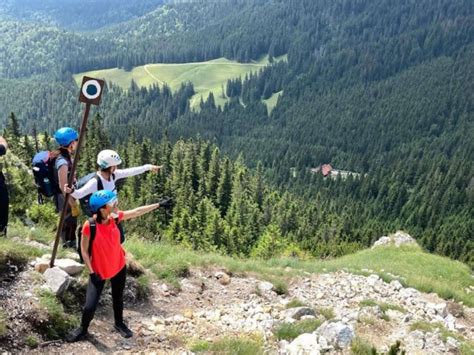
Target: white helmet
<point>108,158</point>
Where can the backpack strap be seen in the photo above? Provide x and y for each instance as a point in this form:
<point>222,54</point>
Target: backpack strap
<point>100,185</point>
<point>93,228</point>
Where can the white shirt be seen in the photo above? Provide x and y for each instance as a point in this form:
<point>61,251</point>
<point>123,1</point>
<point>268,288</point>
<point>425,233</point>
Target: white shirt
<point>91,186</point>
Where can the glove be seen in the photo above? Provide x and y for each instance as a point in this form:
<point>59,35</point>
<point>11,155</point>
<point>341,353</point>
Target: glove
<point>95,279</point>
<point>166,202</point>
<point>75,210</point>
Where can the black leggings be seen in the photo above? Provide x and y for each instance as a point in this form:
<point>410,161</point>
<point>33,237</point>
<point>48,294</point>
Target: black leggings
<point>3,205</point>
<point>94,290</point>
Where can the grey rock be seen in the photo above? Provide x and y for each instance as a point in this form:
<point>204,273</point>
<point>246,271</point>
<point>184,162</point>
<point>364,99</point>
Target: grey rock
<point>72,267</point>
<point>305,344</point>
<point>396,285</point>
<point>338,334</point>
<point>265,286</point>
<point>57,280</point>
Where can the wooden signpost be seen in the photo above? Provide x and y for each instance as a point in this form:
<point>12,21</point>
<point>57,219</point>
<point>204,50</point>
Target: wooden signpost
<point>91,93</point>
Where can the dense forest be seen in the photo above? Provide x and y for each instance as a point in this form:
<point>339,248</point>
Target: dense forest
<point>381,89</point>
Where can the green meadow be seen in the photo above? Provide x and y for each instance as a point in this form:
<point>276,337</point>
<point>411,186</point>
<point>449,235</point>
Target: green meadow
<point>207,77</point>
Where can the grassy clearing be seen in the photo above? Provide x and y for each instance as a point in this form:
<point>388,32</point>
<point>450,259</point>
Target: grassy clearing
<point>272,101</point>
<point>415,268</point>
<point>206,77</point>
<point>243,345</point>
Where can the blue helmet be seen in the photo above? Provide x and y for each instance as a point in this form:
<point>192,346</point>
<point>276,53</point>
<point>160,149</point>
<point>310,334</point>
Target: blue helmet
<point>101,198</point>
<point>64,136</point>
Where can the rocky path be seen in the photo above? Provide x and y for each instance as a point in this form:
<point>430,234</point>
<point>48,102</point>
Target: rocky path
<point>212,304</point>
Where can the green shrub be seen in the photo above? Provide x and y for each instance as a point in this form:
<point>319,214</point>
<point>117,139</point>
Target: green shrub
<point>289,331</point>
<point>44,215</point>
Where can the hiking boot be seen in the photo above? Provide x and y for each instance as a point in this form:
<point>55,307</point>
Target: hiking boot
<point>77,335</point>
<point>123,330</point>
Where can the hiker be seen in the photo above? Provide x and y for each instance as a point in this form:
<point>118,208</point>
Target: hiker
<point>105,179</point>
<point>108,174</point>
<point>106,258</point>
<point>3,193</point>
<point>66,138</point>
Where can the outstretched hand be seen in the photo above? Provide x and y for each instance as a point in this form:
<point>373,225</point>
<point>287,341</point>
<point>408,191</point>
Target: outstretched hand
<point>166,202</point>
<point>156,168</point>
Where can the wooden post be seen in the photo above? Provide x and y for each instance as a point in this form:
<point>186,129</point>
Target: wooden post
<point>70,181</point>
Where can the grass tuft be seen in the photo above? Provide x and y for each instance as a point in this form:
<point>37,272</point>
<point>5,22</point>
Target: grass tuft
<point>240,345</point>
<point>295,303</point>
<point>3,324</point>
<point>361,347</point>
<point>32,341</point>
<point>289,331</point>
<point>327,313</point>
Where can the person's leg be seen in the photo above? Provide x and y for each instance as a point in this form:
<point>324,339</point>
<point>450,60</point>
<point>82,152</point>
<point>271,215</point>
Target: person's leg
<point>94,290</point>
<point>118,286</point>
<point>4,201</point>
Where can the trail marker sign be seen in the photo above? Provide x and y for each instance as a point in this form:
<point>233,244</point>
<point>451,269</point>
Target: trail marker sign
<point>91,90</point>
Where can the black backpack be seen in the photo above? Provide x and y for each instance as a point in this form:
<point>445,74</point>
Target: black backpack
<point>84,202</point>
<point>93,228</point>
<point>44,173</point>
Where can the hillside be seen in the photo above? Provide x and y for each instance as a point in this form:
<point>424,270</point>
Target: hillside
<point>377,88</point>
<point>206,302</point>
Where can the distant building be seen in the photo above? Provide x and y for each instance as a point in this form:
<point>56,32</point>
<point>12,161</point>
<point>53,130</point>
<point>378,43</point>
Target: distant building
<point>327,170</point>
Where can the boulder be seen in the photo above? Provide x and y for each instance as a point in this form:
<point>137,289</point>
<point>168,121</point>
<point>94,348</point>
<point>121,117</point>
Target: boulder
<point>455,309</point>
<point>338,334</point>
<point>265,286</point>
<point>57,280</point>
<point>396,285</point>
<point>298,312</point>
<point>305,344</point>
<point>222,277</point>
<point>72,267</point>
<point>41,265</point>
<point>397,239</point>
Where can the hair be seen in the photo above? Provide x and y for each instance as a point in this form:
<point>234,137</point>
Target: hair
<point>98,216</point>
<point>61,151</point>
<point>106,170</point>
